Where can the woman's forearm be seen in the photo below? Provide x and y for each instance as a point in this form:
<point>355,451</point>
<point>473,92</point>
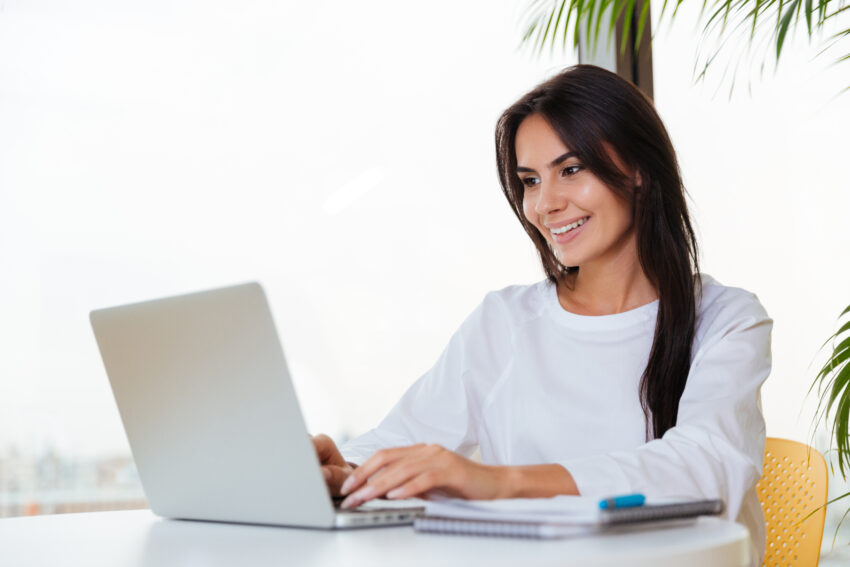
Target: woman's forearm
<point>537,481</point>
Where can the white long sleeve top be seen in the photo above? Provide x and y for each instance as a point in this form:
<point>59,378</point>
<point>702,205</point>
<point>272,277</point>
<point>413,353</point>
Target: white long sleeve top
<point>528,382</point>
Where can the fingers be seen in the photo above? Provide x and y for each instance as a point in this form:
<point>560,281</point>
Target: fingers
<point>323,445</point>
<point>405,472</point>
<point>385,480</point>
<point>399,472</point>
<point>327,450</point>
<point>375,463</point>
<point>335,469</point>
<point>334,477</point>
<point>417,485</point>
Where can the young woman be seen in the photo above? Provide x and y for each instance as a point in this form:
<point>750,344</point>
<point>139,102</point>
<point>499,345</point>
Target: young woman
<point>625,370</point>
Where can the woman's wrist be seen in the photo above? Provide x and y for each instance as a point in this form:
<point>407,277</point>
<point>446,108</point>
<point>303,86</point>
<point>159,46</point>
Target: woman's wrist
<point>536,481</point>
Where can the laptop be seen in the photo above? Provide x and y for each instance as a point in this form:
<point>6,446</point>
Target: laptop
<point>211,415</point>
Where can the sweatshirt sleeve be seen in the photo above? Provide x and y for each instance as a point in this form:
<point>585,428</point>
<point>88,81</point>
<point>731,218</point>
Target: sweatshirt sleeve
<point>434,409</point>
<point>717,446</point>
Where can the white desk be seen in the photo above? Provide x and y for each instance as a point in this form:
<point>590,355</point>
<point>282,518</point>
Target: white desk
<point>139,539</point>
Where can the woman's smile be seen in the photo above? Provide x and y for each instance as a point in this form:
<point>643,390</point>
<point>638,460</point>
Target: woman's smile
<point>567,232</point>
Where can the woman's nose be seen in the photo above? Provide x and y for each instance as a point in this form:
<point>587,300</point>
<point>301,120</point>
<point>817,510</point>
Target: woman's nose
<point>549,199</point>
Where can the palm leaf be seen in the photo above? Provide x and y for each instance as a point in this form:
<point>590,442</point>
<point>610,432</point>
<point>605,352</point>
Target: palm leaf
<point>822,5</point>
<point>755,15</point>
<point>627,26</point>
<point>841,431</point>
<point>595,6</point>
<point>840,354</point>
<point>720,18</point>
<point>837,386</point>
<point>566,29</point>
<point>841,521</point>
<point>784,24</point>
<point>580,9</point>
<point>809,17</point>
<point>839,357</point>
<point>644,14</point>
<point>546,32</point>
<point>844,328</point>
<point>824,17</point>
<point>833,385</point>
<point>825,390</point>
<point>616,12</point>
<point>558,21</point>
<point>813,512</point>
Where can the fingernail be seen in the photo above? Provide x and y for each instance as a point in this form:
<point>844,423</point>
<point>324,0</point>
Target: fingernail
<point>395,492</point>
<point>359,497</point>
<point>347,485</point>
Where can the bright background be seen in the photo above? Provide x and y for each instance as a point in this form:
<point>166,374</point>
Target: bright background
<point>342,154</point>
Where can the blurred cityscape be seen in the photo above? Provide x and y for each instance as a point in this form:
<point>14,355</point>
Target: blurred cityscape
<point>54,484</point>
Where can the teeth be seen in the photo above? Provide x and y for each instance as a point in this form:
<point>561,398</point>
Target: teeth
<point>569,227</point>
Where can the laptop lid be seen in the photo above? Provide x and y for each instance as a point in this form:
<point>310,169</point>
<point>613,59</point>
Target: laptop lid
<point>209,409</point>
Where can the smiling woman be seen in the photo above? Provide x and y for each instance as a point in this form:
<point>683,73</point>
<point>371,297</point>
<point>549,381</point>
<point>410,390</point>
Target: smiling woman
<point>629,253</point>
<point>568,200</point>
<point>625,370</point>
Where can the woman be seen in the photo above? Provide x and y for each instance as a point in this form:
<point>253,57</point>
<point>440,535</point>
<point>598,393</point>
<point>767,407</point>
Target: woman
<point>624,371</point>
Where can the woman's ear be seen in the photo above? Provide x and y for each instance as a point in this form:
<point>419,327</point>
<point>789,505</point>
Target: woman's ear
<point>638,186</point>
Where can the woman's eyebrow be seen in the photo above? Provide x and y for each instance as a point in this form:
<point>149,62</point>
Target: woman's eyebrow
<point>553,163</point>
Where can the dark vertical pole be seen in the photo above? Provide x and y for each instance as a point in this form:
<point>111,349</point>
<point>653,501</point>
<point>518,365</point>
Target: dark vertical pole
<point>635,66</point>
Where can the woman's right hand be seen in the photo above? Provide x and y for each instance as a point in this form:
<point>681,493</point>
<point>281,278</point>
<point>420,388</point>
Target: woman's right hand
<point>334,467</point>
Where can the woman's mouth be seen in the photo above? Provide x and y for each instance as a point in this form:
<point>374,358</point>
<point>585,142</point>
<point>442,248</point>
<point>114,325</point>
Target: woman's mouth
<point>566,233</point>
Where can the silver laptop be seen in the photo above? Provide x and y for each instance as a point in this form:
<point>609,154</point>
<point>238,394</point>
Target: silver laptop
<point>211,415</point>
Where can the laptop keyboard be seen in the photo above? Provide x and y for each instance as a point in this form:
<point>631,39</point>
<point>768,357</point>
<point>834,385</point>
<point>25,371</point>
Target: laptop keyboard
<point>338,507</point>
<point>374,506</point>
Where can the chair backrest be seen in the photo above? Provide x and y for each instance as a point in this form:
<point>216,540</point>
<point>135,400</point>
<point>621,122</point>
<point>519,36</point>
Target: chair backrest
<point>793,484</point>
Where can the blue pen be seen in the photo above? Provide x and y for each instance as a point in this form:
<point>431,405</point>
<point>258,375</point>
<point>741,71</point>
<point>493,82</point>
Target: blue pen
<point>627,501</point>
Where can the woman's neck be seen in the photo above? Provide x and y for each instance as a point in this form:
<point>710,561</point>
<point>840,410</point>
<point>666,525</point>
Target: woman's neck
<point>607,286</point>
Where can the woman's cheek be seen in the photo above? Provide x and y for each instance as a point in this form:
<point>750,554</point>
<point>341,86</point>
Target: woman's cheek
<point>528,211</point>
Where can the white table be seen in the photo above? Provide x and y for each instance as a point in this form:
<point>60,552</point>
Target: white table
<point>137,538</point>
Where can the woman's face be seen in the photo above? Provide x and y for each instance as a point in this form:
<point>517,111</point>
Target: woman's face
<point>580,217</point>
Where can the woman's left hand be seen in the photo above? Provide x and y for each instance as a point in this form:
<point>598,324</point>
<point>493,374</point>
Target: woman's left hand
<point>403,472</point>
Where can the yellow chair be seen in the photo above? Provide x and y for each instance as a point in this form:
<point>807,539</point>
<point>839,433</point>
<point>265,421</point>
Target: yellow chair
<point>793,484</point>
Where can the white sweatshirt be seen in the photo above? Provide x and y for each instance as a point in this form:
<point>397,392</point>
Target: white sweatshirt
<point>528,382</point>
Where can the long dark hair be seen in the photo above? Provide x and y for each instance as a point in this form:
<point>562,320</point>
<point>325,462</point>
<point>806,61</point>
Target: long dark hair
<point>588,106</point>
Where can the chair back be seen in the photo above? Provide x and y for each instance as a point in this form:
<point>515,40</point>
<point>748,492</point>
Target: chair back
<point>793,484</point>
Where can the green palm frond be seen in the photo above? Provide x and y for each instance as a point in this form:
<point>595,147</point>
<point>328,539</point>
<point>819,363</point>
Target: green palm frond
<point>547,20</point>
<point>815,511</point>
<point>833,386</point>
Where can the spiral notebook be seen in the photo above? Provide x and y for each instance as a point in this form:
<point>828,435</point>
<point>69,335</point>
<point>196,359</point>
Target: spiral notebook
<point>551,518</point>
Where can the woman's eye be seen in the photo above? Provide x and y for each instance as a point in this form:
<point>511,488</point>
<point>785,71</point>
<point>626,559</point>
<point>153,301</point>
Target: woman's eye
<point>571,170</point>
<point>529,181</point>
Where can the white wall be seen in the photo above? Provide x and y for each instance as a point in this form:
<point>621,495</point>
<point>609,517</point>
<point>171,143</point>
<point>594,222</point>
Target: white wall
<point>342,154</point>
